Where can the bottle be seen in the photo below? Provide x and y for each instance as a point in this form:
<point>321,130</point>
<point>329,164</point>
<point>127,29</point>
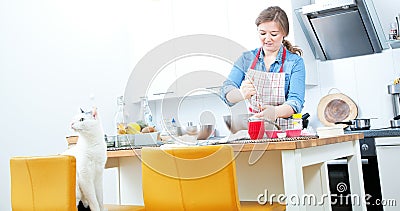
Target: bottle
<point>393,31</point>
<point>147,115</point>
<point>173,130</point>
<point>119,118</point>
<point>297,121</point>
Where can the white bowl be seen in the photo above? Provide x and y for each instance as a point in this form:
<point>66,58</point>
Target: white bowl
<point>281,135</point>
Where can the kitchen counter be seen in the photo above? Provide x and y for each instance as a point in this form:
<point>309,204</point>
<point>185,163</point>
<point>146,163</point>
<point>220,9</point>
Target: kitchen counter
<point>375,133</point>
<point>264,145</point>
<point>289,168</point>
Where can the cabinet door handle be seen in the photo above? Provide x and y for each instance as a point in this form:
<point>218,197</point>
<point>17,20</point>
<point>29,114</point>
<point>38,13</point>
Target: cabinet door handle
<point>213,87</point>
<point>164,93</point>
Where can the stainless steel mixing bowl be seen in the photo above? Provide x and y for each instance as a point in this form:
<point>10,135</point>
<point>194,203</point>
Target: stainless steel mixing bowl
<point>202,132</point>
<point>237,122</point>
<point>205,132</point>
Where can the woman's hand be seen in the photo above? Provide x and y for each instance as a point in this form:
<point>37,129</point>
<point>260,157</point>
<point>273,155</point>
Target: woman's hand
<point>268,112</point>
<point>247,89</point>
<point>273,112</point>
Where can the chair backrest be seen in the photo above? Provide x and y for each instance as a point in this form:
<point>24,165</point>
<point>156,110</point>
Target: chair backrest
<point>43,183</point>
<point>189,178</point>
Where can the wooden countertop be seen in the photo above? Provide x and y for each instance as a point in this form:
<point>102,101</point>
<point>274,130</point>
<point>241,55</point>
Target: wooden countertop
<point>279,145</point>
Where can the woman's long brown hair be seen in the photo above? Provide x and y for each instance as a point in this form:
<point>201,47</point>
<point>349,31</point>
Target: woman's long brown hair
<point>279,16</point>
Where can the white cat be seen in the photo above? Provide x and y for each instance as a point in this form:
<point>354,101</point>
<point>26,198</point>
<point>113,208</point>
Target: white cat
<point>91,156</point>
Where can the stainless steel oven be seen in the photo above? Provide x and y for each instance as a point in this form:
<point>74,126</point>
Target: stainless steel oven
<point>339,179</point>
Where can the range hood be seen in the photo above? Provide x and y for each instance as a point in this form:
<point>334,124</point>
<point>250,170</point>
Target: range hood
<point>338,29</point>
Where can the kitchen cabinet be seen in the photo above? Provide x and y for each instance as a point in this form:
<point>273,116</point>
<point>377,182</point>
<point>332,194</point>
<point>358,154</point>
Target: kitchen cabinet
<point>197,73</point>
<point>201,74</point>
<point>387,11</point>
<point>163,84</point>
<point>150,25</point>
<point>388,150</point>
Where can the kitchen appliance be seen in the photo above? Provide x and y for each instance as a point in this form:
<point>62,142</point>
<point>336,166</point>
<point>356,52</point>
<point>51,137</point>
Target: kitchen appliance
<point>342,28</point>
<point>394,90</point>
<point>339,179</point>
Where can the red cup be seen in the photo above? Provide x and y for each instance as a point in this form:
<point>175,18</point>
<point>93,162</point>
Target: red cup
<point>256,129</point>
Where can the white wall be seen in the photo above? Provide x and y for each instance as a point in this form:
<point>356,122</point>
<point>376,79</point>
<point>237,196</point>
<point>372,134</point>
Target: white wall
<point>364,79</point>
<point>54,55</point>
<point>58,56</point>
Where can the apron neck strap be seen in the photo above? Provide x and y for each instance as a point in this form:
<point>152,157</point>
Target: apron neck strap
<point>283,59</point>
<point>253,65</point>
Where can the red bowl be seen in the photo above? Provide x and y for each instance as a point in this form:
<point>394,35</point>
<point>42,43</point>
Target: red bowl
<point>272,133</point>
<point>293,132</point>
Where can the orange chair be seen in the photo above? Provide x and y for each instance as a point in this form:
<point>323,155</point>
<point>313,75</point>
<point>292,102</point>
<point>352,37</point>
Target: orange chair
<point>47,183</point>
<point>193,178</point>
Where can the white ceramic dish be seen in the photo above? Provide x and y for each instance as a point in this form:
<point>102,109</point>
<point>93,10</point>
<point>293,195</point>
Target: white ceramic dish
<point>325,132</point>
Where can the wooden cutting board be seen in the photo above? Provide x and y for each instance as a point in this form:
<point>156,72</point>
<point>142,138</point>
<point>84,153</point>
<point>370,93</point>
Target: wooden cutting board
<point>336,107</point>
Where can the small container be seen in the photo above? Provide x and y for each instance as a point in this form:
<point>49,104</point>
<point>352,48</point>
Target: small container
<point>281,135</point>
<point>272,133</point>
<point>293,132</point>
<point>256,128</point>
<point>296,122</point>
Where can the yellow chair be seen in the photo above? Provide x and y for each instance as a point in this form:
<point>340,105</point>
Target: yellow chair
<point>43,183</point>
<point>193,178</point>
<point>47,183</point>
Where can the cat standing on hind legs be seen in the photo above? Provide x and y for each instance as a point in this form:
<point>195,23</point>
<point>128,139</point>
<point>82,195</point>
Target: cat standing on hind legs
<point>91,156</point>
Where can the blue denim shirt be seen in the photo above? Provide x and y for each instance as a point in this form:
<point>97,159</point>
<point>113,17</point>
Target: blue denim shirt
<point>294,69</point>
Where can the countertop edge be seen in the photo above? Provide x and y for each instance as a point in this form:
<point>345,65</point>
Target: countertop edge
<point>267,146</point>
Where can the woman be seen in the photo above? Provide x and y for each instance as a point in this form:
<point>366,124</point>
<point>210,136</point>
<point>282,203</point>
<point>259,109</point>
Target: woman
<point>272,77</point>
